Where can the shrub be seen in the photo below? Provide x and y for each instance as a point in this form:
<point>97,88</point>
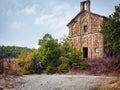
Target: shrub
<point>63,68</point>
<point>75,65</point>
<point>50,69</point>
<point>26,62</point>
<point>81,64</point>
<point>84,66</point>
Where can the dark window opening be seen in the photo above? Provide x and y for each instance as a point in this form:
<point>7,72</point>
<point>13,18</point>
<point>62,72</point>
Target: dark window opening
<point>85,52</point>
<point>9,61</point>
<point>85,28</point>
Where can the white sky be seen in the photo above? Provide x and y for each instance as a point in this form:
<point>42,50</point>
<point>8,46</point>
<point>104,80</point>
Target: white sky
<point>24,22</point>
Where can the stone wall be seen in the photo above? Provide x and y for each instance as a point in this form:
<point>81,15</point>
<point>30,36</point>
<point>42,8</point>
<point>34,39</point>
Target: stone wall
<point>74,33</point>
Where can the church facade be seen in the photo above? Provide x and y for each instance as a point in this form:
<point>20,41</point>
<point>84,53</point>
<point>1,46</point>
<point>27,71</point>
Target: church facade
<point>84,32</point>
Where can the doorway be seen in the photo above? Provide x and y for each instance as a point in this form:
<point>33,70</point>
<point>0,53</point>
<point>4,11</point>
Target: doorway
<point>85,52</point>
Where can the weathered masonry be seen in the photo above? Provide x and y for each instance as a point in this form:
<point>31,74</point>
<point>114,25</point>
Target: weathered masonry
<point>84,32</point>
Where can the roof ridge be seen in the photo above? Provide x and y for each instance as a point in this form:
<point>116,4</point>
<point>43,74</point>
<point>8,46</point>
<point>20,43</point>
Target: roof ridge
<point>87,12</point>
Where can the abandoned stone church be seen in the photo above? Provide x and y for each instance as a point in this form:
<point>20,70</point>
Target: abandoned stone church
<point>84,32</point>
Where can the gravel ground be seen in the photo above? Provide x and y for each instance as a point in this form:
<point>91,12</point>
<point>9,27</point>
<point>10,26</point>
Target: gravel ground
<point>58,82</point>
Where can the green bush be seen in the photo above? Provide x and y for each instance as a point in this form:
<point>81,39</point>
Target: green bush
<point>84,66</point>
<point>75,65</point>
<point>50,70</point>
<point>63,68</point>
<point>81,64</point>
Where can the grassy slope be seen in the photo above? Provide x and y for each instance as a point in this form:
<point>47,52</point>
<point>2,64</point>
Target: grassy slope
<point>113,85</point>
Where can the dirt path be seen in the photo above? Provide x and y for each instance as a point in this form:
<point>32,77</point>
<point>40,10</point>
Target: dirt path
<point>59,82</point>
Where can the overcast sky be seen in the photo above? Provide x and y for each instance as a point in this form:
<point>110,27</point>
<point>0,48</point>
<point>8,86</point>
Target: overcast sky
<point>24,22</point>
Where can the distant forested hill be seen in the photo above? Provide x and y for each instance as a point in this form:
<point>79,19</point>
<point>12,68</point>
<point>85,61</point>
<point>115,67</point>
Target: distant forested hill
<point>12,51</point>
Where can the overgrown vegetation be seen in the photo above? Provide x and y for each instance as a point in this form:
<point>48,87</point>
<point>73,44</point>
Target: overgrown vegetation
<point>63,68</point>
<point>55,57</point>
<point>111,32</point>
<point>26,62</point>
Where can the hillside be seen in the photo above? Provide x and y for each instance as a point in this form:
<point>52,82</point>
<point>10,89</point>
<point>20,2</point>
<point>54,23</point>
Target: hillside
<point>12,51</point>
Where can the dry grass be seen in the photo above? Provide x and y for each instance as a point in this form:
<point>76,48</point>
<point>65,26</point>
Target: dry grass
<point>100,66</point>
<point>104,66</point>
<point>112,85</point>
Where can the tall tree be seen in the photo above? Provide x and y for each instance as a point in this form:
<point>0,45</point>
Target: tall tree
<point>49,50</point>
<point>111,31</point>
